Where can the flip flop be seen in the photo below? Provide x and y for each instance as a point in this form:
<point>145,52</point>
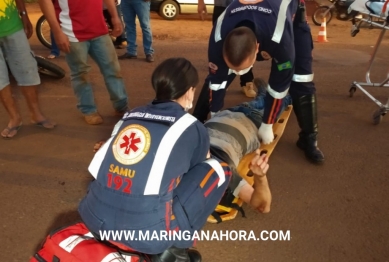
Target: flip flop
<point>9,130</point>
<point>45,124</point>
<point>51,56</point>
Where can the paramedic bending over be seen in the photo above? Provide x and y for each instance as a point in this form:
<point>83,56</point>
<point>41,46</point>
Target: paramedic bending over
<point>155,172</point>
<point>257,30</point>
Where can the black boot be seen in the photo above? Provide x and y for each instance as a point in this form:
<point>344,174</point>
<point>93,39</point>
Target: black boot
<point>306,112</point>
<point>174,254</point>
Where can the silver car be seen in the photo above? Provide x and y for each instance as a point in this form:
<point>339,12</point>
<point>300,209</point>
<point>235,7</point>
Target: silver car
<point>170,9</point>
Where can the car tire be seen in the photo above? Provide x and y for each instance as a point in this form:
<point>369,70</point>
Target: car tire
<point>169,10</point>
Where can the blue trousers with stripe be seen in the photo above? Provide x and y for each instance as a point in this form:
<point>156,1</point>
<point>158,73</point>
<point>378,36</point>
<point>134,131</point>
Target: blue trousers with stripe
<point>195,198</point>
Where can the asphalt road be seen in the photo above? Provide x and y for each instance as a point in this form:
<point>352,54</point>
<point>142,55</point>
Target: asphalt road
<point>335,212</point>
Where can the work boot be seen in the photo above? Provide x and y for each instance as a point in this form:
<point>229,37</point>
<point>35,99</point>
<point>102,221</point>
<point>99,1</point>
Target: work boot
<point>249,90</point>
<point>150,58</point>
<point>306,112</point>
<point>174,254</point>
<point>127,56</point>
<point>93,119</point>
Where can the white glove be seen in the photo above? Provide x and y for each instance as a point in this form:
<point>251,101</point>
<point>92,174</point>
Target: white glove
<point>265,132</point>
<point>214,113</point>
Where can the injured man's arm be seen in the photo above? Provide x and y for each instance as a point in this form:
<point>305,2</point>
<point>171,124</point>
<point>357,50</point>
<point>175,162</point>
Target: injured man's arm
<point>233,134</point>
<point>258,195</point>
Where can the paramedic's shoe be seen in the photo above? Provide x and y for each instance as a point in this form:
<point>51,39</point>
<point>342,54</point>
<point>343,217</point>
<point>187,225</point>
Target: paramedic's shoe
<point>306,112</point>
<point>249,90</point>
<point>174,254</point>
<point>308,144</point>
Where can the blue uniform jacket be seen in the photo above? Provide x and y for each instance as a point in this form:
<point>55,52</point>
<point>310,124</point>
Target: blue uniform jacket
<point>272,22</point>
<point>138,168</point>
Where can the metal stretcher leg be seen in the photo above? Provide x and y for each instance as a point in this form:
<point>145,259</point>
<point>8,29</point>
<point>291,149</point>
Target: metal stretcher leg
<point>384,108</point>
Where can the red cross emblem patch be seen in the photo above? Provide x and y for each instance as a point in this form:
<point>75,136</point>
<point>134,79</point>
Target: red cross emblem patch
<point>132,144</point>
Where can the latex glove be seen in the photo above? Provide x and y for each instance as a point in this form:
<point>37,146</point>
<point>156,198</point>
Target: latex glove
<point>265,132</point>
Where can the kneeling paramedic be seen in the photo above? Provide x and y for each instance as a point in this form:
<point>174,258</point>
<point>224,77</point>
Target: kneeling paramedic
<point>155,173</point>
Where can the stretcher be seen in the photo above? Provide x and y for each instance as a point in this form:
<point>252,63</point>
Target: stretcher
<point>225,212</point>
<point>374,13</point>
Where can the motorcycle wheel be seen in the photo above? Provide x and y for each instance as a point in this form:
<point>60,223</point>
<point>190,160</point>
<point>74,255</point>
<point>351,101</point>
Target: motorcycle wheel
<point>318,15</point>
<point>48,68</point>
<point>43,32</point>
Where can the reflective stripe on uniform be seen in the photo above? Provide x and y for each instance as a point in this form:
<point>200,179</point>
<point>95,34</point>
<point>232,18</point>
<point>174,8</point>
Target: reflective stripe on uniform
<point>216,87</point>
<point>281,18</point>
<point>218,169</point>
<point>218,35</point>
<point>302,78</point>
<point>116,127</point>
<point>95,165</point>
<point>163,152</point>
<point>275,94</point>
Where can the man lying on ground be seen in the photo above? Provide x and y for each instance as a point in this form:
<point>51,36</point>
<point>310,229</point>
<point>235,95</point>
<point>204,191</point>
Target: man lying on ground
<point>233,134</point>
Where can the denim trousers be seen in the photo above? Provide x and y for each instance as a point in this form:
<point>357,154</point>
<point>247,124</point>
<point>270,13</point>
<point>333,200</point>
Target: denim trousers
<point>102,51</point>
<point>141,9</point>
<point>54,48</point>
<point>255,108</point>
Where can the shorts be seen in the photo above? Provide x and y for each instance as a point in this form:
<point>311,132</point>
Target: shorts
<point>15,51</point>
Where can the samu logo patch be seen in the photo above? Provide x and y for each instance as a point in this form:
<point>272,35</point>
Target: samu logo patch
<point>131,145</point>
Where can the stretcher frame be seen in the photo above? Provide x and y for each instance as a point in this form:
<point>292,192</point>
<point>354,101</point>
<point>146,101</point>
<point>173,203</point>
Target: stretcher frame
<point>357,22</point>
<point>229,213</point>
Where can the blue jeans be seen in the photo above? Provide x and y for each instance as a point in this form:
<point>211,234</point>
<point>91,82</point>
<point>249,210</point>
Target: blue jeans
<point>54,48</point>
<point>102,51</point>
<point>131,9</point>
<point>255,108</point>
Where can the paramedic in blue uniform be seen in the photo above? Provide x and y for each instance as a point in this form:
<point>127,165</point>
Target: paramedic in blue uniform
<point>155,173</point>
<point>250,31</point>
<point>246,80</point>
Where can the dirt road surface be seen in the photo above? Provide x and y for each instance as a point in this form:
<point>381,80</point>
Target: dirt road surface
<point>335,212</point>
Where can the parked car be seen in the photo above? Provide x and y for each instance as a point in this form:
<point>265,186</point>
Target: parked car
<point>170,9</point>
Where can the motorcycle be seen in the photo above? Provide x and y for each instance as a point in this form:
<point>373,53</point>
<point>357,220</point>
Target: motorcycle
<point>338,7</point>
<point>45,67</point>
<point>42,31</point>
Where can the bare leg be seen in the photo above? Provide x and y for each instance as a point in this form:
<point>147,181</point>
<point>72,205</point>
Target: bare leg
<point>31,95</point>
<point>12,109</point>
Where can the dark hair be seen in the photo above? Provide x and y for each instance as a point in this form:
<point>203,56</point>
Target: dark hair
<point>173,78</point>
<point>239,44</point>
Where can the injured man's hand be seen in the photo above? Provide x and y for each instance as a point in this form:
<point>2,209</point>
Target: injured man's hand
<point>259,164</point>
<point>261,197</point>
